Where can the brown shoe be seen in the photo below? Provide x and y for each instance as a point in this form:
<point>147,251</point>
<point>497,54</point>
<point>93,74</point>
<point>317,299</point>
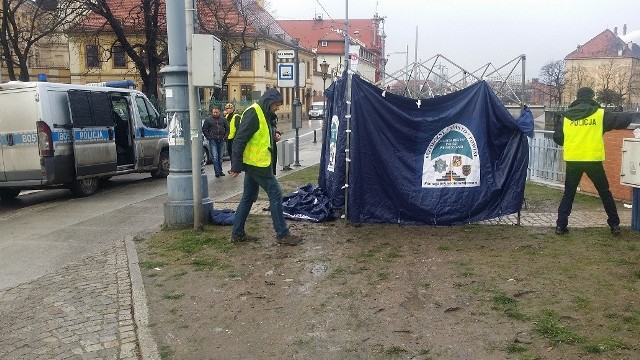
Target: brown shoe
<point>291,240</point>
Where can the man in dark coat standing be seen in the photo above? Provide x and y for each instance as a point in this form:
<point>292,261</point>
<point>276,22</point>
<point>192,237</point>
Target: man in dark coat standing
<point>216,131</point>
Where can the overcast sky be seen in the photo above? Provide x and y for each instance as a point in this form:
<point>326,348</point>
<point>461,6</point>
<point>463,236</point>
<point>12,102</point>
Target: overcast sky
<point>472,33</point>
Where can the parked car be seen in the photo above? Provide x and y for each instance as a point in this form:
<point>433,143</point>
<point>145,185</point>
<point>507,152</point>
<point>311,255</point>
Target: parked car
<point>316,111</point>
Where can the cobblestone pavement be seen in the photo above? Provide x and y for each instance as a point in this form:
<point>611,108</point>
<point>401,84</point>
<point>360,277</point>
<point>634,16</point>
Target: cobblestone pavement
<point>81,311</point>
<point>578,219</point>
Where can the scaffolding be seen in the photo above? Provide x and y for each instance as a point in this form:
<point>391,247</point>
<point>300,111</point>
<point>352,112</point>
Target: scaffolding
<point>432,78</point>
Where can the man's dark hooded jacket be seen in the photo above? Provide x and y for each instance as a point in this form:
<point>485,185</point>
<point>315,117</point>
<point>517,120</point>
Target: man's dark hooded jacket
<point>249,125</point>
<point>582,108</point>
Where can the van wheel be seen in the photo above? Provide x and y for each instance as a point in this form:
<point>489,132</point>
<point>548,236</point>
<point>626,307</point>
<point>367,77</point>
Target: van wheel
<point>9,194</point>
<point>85,187</point>
<point>206,158</point>
<point>163,165</point>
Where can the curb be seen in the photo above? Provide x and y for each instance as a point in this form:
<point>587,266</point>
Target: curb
<point>146,342</point>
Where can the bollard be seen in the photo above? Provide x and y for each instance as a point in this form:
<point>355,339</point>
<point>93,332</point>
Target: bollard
<point>314,136</point>
<point>635,209</point>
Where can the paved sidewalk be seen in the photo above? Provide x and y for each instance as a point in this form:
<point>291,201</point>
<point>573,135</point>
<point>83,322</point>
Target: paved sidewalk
<point>81,311</point>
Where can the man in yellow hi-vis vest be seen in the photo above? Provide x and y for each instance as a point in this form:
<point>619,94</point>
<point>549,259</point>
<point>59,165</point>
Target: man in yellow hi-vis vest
<point>580,132</point>
<point>234,121</point>
<point>252,151</point>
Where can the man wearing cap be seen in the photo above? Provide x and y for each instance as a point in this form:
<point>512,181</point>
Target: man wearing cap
<point>581,134</point>
<point>233,119</point>
<point>252,151</point>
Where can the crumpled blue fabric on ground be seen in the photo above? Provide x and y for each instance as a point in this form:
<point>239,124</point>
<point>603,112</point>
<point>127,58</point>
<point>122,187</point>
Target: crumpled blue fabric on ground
<point>307,203</point>
<point>222,217</point>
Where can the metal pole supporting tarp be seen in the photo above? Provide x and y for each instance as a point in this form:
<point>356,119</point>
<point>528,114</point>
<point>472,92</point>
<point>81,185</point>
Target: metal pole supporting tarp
<point>523,57</point>
<point>348,115</point>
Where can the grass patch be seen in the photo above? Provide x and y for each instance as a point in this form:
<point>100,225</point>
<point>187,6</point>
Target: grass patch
<point>292,181</point>
<point>152,264</point>
<point>174,296</point>
<point>211,263</point>
<point>516,349</point>
<point>165,352</point>
<point>548,325</point>
<point>580,302</point>
<point>191,241</point>
<point>395,351</point>
<point>507,305</point>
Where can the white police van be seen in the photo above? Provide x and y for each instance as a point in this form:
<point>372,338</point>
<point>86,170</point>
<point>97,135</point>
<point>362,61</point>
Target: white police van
<point>62,135</point>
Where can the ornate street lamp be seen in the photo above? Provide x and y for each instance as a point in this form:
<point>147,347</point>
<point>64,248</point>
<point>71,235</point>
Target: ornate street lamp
<point>324,68</point>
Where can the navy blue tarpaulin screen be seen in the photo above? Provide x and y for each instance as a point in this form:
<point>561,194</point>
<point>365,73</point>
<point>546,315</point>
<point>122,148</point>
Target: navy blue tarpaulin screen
<point>449,160</point>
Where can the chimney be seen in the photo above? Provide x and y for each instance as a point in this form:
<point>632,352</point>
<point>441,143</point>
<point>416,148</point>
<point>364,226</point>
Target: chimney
<point>615,30</point>
<point>624,29</point>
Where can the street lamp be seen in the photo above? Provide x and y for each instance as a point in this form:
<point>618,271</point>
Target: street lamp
<point>324,68</point>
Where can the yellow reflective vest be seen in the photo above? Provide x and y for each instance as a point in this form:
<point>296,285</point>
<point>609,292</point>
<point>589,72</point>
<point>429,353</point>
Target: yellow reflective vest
<point>583,138</point>
<point>233,125</point>
<point>257,152</point>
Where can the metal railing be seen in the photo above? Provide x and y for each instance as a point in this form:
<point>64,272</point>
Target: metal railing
<point>545,159</point>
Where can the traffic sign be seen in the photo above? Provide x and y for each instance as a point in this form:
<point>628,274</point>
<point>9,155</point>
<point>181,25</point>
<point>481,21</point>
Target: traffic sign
<point>286,75</point>
<point>285,54</point>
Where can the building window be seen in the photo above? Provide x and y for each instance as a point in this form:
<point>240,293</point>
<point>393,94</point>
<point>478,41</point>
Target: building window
<point>275,63</point>
<point>225,92</point>
<point>225,58</point>
<point>245,61</point>
<point>324,43</point>
<point>92,56</point>
<point>267,57</point>
<point>245,92</point>
<point>309,70</point>
<point>119,57</point>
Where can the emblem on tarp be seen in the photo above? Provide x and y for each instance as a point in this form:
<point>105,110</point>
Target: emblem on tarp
<point>440,165</point>
<point>333,143</point>
<point>452,159</point>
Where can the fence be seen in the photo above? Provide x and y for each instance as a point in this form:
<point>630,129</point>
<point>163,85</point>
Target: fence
<point>545,159</point>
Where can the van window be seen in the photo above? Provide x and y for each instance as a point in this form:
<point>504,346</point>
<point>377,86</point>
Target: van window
<point>119,105</point>
<point>148,114</point>
<point>90,108</point>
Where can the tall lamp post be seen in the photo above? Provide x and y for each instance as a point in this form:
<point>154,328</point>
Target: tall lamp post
<point>324,68</point>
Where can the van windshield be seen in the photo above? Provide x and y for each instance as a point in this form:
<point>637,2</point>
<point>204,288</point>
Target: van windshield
<point>317,107</point>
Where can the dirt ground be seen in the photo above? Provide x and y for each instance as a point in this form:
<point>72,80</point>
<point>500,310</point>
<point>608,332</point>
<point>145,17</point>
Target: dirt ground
<point>390,292</point>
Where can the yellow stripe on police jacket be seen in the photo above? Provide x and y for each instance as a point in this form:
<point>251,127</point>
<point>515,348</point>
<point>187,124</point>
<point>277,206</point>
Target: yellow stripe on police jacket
<point>583,138</point>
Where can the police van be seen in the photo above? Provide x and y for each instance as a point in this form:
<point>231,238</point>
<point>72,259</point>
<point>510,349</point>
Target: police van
<point>62,135</point>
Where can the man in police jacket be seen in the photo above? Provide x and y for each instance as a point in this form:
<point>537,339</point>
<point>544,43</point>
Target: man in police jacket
<point>252,151</point>
<point>580,132</point>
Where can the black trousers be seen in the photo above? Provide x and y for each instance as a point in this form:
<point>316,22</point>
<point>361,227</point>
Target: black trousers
<point>595,172</point>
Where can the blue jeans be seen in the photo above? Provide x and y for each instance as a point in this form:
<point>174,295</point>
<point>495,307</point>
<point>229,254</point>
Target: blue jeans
<point>253,181</point>
<point>216,147</point>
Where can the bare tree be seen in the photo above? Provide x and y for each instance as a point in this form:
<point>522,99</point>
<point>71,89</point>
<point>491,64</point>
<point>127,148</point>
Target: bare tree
<point>612,79</point>
<point>241,26</point>
<point>552,75</point>
<point>578,77</point>
<point>140,30</point>
<point>25,24</point>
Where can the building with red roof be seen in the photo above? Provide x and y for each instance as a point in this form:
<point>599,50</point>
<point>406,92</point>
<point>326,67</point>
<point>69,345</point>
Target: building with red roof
<point>606,62</point>
<point>326,39</point>
<point>248,32</point>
